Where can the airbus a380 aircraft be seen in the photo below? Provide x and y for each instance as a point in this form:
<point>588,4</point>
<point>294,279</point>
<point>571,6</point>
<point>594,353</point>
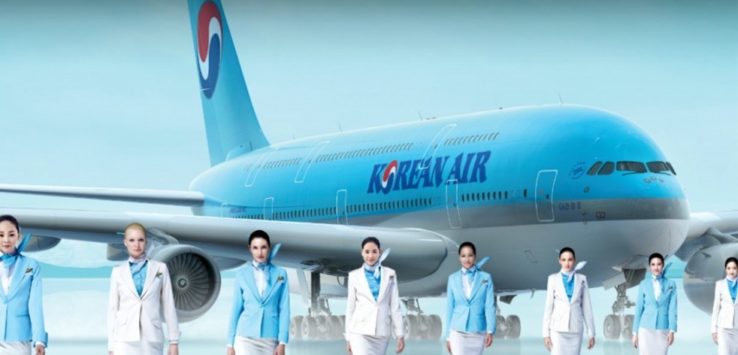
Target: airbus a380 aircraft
<point>519,183</point>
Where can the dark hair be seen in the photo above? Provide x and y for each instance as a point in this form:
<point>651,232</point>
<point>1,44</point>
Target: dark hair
<point>370,240</point>
<point>567,249</point>
<point>260,234</point>
<point>468,244</point>
<point>656,256</point>
<point>731,260</point>
<point>11,219</point>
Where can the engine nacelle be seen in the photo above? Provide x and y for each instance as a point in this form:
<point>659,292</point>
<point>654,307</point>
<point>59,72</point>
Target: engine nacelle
<point>703,269</point>
<point>195,279</point>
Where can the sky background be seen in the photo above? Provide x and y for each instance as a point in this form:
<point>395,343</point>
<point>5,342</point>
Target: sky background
<point>105,93</point>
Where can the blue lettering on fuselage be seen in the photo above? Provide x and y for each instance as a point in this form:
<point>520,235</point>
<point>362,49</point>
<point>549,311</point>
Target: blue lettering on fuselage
<point>414,174</point>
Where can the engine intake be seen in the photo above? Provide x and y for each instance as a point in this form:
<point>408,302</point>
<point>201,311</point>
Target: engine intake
<point>195,279</point>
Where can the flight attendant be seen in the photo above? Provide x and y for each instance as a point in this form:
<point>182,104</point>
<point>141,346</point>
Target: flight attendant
<point>470,307</point>
<point>260,319</point>
<point>568,308</point>
<point>23,320</point>
<point>655,318</point>
<point>724,323</point>
<point>140,294</point>
<point>373,304</point>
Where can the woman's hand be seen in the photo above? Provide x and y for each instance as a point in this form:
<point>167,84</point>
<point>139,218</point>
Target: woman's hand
<point>591,343</point>
<point>448,346</point>
<point>488,340</point>
<point>41,350</point>
<point>635,341</point>
<point>400,345</point>
<point>230,351</point>
<point>547,343</point>
<point>714,338</point>
<point>279,350</point>
<point>670,338</point>
<point>173,349</point>
<point>348,347</point>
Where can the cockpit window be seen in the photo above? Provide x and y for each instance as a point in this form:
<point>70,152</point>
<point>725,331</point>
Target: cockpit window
<point>606,168</point>
<point>594,168</point>
<point>631,166</point>
<point>671,168</point>
<point>658,167</point>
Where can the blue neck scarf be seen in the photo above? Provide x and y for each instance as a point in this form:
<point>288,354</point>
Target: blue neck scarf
<point>732,287</point>
<point>9,259</point>
<point>373,281</point>
<point>138,272</point>
<point>568,279</point>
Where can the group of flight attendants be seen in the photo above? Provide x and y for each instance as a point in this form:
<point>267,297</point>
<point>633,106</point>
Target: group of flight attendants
<point>141,300</point>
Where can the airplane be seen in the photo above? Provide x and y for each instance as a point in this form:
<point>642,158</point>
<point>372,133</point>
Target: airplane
<point>520,183</point>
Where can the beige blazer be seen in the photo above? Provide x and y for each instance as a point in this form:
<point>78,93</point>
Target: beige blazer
<point>364,315</point>
<point>563,315</point>
<point>132,317</point>
<point>724,310</point>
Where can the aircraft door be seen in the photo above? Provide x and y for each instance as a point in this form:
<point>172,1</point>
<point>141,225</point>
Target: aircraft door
<point>308,161</point>
<point>452,204</point>
<point>253,170</point>
<point>341,212</point>
<point>430,150</point>
<point>268,208</point>
<point>544,192</point>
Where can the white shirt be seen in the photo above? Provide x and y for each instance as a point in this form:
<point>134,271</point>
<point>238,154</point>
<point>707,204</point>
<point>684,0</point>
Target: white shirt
<point>466,281</point>
<point>5,276</point>
<point>656,287</point>
<point>260,278</point>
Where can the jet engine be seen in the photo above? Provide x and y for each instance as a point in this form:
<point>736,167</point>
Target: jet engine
<point>195,278</point>
<point>706,266</point>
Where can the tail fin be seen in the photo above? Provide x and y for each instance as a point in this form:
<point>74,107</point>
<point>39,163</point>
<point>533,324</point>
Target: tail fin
<point>230,121</point>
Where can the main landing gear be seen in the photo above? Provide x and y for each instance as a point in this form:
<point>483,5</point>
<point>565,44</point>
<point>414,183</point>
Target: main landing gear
<point>507,327</point>
<point>418,325</point>
<point>319,324</point>
<point>619,324</point>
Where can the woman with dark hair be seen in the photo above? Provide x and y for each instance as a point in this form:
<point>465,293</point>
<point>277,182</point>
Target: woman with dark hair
<point>373,304</point>
<point>23,320</point>
<point>724,322</point>
<point>260,319</point>
<point>568,308</point>
<point>654,323</point>
<point>470,306</point>
<point>140,294</point>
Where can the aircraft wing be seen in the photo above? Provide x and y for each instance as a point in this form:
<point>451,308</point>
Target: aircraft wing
<point>707,229</point>
<point>327,248</point>
<point>168,197</point>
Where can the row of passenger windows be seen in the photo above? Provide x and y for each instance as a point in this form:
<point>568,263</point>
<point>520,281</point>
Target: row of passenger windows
<point>389,205</point>
<point>282,163</point>
<point>471,138</point>
<point>488,196</point>
<point>365,152</point>
<point>357,208</point>
<point>633,167</point>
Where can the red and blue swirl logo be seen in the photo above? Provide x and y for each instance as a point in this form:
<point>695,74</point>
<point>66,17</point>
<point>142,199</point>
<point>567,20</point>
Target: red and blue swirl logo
<point>209,46</point>
<point>389,171</point>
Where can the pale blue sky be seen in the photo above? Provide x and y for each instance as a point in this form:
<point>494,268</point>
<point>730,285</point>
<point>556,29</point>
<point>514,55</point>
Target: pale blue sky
<point>105,93</point>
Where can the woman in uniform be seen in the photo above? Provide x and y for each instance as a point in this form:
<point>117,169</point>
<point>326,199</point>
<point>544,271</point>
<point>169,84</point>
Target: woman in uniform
<point>655,318</point>
<point>373,304</point>
<point>568,308</point>
<point>260,319</point>
<point>724,323</point>
<point>470,307</point>
<point>23,321</point>
<point>140,294</point>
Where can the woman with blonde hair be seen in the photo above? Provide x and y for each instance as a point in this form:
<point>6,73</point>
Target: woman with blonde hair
<point>140,294</point>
